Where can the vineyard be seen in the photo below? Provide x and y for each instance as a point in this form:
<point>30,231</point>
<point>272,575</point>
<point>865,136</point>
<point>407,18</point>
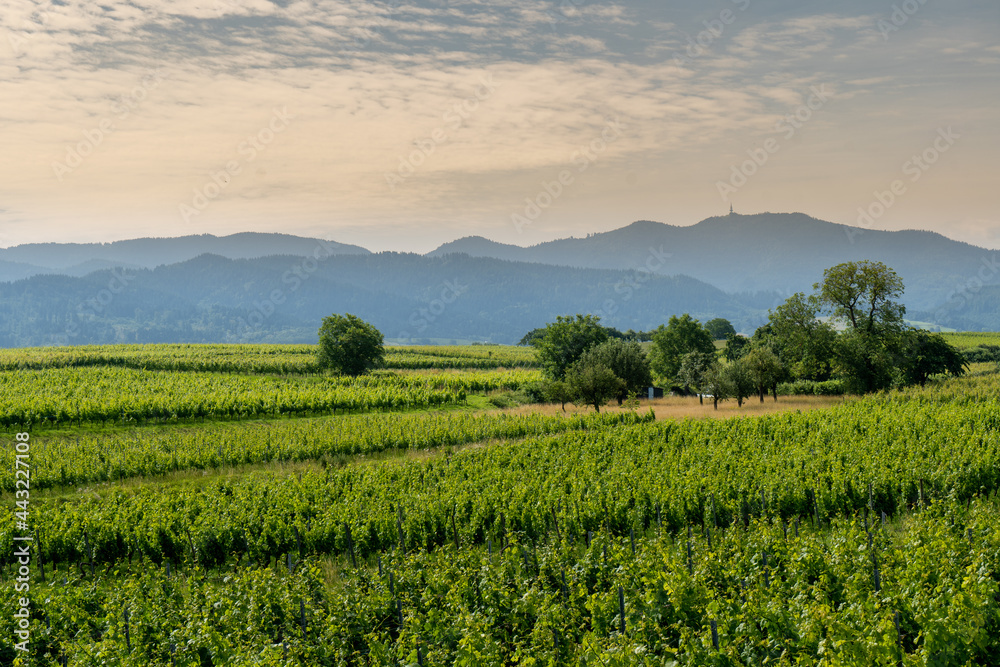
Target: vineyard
<point>272,359</point>
<point>867,533</point>
<point>123,395</point>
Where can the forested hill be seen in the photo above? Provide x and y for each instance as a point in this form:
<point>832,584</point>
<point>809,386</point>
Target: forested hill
<point>78,259</point>
<point>283,299</point>
<point>784,252</point>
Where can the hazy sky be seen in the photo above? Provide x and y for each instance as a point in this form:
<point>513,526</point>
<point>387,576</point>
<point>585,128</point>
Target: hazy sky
<point>403,124</point>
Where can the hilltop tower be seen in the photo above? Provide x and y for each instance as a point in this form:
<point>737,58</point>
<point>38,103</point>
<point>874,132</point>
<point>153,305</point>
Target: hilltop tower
<point>731,209</point>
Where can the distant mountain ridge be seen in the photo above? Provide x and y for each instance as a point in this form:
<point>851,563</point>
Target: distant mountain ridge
<point>199,288</point>
<point>408,297</point>
<point>70,258</point>
<point>782,252</point>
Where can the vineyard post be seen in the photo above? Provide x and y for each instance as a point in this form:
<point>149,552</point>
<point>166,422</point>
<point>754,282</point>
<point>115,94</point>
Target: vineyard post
<point>555,523</point>
<point>631,538</point>
<point>350,544</point>
<point>380,565</point>
<point>899,635</point>
<point>392,587</point>
<point>38,550</point>
<point>715,635</point>
<point>90,553</point>
<point>302,616</point>
<point>690,558</point>
<point>128,639</point>
<point>921,494</point>
<point>621,609</point>
<point>399,527</point>
<point>767,578</point>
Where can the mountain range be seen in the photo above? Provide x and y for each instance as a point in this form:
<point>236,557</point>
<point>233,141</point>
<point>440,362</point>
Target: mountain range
<point>277,287</point>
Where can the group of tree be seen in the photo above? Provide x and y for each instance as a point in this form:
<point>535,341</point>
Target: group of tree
<point>585,364</point>
<point>850,329</point>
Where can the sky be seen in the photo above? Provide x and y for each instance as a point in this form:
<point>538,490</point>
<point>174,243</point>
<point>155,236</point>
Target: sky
<point>401,125</point>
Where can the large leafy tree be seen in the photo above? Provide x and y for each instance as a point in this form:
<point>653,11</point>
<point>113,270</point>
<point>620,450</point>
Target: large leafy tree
<point>863,296</point>
<point>670,343</point>
<point>593,383</point>
<point>349,345</point>
<point>627,360</point>
<point>565,340</point>
<point>804,343</point>
<point>720,328</point>
<point>923,354</point>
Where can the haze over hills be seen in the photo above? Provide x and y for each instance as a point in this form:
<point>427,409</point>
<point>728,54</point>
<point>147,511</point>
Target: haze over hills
<point>81,258</point>
<point>207,288</point>
<point>782,252</point>
<point>278,299</point>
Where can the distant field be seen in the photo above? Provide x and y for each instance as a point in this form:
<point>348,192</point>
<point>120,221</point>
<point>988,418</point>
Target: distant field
<point>278,359</point>
<point>966,339</point>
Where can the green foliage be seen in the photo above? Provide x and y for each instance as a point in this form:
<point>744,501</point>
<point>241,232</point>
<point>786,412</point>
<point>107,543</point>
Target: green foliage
<point>923,354</point>
<point>740,378</point>
<point>695,367</point>
<point>592,383</point>
<point>565,341</point>
<point>805,344</point>
<point>626,360</point>
<point>862,294</point>
<point>671,342</point>
<point>812,388</point>
<point>349,345</point>
<point>736,347</point>
<point>720,328</point>
<point>766,371</point>
<point>558,391</point>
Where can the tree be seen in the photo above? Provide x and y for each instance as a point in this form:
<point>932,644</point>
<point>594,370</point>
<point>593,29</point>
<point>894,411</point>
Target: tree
<point>719,328</point>
<point>565,341</point>
<point>736,347</point>
<point>681,335</point>
<point>923,354</point>
<point>766,371</point>
<point>626,360</point>
<point>349,345</point>
<point>557,391</point>
<point>593,383</point>
<point>804,343</point>
<point>862,293</point>
<point>694,370</point>
<point>716,382</point>
<point>740,379</point>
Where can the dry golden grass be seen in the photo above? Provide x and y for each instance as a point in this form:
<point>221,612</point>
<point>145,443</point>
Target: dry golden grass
<point>676,407</point>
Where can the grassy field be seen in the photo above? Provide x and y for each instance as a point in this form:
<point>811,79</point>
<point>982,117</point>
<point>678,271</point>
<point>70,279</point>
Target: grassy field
<point>863,529</point>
